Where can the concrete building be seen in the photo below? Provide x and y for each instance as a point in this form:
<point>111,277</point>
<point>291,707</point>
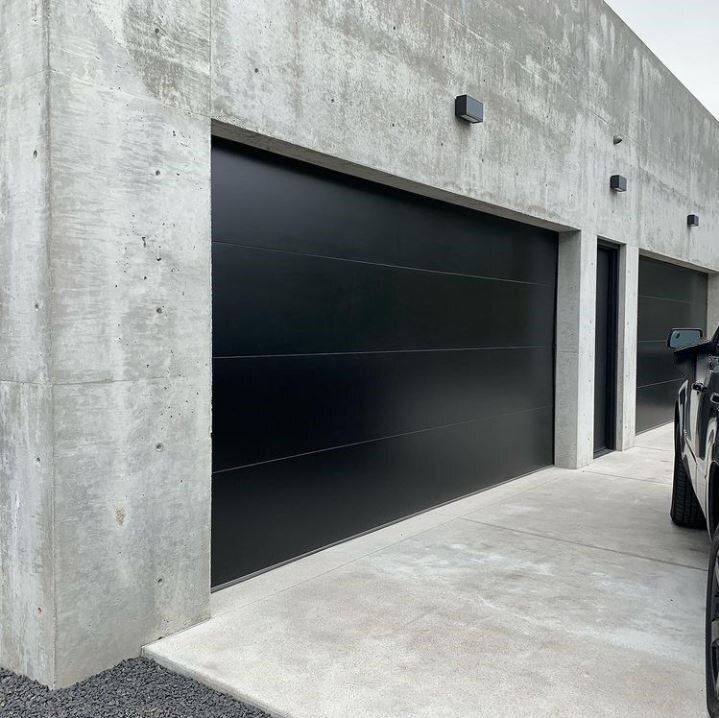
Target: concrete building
<point>108,170</point>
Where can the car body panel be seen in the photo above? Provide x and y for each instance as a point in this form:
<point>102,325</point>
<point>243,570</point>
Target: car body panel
<point>697,417</point>
<point>696,436</point>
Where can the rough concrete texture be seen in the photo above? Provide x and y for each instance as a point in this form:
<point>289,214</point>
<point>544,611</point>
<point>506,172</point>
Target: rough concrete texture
<point>27,605</point>
<point>574,357</point>
<point>105,496</point>
<point>23,40</point>
<point>627,307</point>
<point>27,621</point>
<point>566,593</point>
<point>559,80</point>
<point>130,194</point>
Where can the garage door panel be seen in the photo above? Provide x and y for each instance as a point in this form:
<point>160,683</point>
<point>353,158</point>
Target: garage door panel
<point>655,403</point>
<point>652,364</point>
<point>299,208</point>
<point>375,353</point>
<point>265,514</point>
<point>669,296</point>
<point>280,303</point>
<point>658,313</point>
<point>668,281</point>
<point>266,408</point>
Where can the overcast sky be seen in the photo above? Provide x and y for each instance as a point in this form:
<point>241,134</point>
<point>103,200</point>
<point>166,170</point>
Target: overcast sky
<point>684,34</point>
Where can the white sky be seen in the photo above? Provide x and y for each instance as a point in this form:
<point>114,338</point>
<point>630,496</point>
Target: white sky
<point>684,34</point>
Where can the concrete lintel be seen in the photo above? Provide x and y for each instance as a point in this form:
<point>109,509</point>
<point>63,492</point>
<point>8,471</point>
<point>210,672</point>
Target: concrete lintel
<point>278,146</point>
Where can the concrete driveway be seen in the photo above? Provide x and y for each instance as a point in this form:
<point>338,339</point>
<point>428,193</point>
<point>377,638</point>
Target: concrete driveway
<point>564,593</point>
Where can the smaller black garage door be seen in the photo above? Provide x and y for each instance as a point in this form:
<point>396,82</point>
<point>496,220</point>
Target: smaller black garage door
<point>669,296</point>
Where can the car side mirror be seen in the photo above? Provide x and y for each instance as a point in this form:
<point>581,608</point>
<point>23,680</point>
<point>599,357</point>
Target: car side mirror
<point>683,338</point>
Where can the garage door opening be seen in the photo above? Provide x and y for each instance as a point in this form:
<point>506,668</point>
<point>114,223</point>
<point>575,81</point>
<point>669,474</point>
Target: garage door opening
<point>605,349</point>
<point>669,296</point>
<point>375,354</point>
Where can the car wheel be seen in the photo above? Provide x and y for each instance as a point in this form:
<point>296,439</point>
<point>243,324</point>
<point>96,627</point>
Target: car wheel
<point>712,630</point>
<point>685,510</point>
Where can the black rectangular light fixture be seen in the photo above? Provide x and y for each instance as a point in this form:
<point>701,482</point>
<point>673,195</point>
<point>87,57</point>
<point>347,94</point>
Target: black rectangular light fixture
<point>618,183</point>
<point>693,220</point>
<point>469,109</point>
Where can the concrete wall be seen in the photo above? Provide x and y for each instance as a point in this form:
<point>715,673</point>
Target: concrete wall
<point>106,534</point>
<point>373,83</point>
<point>105,374</point>
<point>27,609</point>
<point>368,87</point>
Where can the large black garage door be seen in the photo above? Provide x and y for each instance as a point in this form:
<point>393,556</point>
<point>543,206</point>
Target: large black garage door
<point>669,296</point>
<point>375,354</point>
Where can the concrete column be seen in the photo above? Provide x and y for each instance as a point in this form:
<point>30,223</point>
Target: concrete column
<point>105,524</point>
<point>574,401</point>
<point>628,291</point>
<point>712,304</point>
<point>27,605</point>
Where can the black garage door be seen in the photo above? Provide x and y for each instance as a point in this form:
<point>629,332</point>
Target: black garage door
<point>375,354</point>
<point>669,296</point>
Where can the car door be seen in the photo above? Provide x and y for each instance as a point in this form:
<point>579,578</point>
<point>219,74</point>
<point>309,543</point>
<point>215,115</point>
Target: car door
<point>691,357</point>
<point>697,391</point>
<point>707,401</point>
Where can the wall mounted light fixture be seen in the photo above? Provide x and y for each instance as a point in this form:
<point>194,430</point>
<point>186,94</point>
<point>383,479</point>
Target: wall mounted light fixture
<point>469,109</point>
<point>618,183</point>
<point>693,220</point>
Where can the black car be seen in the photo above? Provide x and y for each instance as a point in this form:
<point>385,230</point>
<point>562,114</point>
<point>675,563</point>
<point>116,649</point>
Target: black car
<point>695,495</point>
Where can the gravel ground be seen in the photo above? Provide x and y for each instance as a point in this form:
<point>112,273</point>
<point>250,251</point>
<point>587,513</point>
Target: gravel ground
<point>137,688</point>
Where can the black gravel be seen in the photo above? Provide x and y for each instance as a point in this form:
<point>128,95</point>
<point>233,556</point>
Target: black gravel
<point>137,688</point>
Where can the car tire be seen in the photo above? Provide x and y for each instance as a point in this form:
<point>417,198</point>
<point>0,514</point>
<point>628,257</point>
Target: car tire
<point>712,630</point>
<point>685,510</point>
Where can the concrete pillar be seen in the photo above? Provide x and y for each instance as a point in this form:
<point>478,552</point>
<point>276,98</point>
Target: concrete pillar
<point>27,606</point>
<point>627,305</point>
<point>105,419</point>
<point>574,401</point>
<point>712,304</point>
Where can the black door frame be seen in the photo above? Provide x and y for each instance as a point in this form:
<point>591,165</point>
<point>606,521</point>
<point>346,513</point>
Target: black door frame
<point>610,390</point>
